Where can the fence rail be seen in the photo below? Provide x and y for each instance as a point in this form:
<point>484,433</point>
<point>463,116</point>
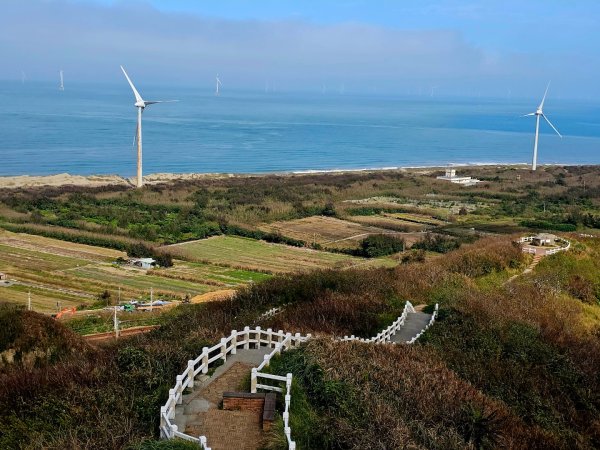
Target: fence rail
<point>255,338</point>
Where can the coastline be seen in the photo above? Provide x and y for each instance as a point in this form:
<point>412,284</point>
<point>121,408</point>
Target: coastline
<point>66,179</point>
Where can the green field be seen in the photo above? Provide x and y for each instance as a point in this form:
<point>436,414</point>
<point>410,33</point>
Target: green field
<point>73,274</point>
<point>262,256</point>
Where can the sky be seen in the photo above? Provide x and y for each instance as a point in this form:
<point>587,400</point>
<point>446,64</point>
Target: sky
<point>462,48</point>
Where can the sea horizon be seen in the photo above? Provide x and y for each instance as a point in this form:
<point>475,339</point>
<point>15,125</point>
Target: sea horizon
<point>88,130</point>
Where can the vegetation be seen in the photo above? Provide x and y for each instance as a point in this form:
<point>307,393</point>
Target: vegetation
<point>507,364</point>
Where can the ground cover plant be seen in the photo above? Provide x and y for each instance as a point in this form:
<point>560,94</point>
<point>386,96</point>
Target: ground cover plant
<point>507,365</point>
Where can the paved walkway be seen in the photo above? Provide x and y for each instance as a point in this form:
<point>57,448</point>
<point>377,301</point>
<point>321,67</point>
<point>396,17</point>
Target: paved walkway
<point>199,412</point>
<point>413,325</point>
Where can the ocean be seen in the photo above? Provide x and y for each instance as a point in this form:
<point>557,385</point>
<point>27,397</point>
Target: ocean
<point>89,129</point>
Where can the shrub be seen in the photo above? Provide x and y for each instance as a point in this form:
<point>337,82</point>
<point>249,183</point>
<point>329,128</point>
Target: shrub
<point>381,245</point>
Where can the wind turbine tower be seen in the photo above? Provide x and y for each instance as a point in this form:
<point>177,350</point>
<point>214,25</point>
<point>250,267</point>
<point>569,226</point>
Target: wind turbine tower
<point>539,113</point>
<point>140,104</point>
<point>218,87</point>
<point>62,81</point>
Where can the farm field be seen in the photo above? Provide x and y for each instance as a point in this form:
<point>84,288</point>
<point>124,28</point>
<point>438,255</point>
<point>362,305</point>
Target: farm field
<point>418,218</point>
<point>251,254</point>
<point>58,248</point>
<point>57,272</point>
<point>326,231</point>
<point>389,223</point>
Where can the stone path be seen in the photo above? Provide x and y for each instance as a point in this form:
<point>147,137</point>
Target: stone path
<point>199,413</point>
<point>536,259</point>
<point>413,325</point>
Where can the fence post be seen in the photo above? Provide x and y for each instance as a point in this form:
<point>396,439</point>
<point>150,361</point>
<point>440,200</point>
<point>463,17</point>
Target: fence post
<point>224,348</point>
<point>191,372</point>
<point>258,331</point>
<point>253,381</point>
<point>280,336</point>
<point>269,337</point>
<point>247,333</point>
<point>288,400</point>
<point>173,430</point>
<point>179,385</point>
<point>234,342</point>
<point>163,423</point>
<point>267,359</point>
<point>202,440</point>
<point>288,383</point>
<point>205,360</point>
<point>292,445</point>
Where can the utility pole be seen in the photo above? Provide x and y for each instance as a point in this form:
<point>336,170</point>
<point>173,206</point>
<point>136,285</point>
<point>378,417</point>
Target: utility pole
<point>119,300</point>
<point>151,298</point>
<point>116,323</point>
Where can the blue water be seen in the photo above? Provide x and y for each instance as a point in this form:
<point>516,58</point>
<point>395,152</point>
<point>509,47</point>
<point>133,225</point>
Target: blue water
<point>88,129</point>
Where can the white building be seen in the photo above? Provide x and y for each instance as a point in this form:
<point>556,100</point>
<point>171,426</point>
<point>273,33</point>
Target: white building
<point>142,263</point>
<point>451,177</point>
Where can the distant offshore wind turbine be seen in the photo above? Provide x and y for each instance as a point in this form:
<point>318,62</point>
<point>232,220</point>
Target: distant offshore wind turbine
<point>218,88</point>
<point>539,113</point>
<point>141,104</point>
<point>62,81</point>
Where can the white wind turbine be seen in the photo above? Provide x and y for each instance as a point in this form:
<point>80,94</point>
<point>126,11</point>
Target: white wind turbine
<point>62,82</point>
<point>140,103</point>
<point>539,113</point>
<point>217,91</point>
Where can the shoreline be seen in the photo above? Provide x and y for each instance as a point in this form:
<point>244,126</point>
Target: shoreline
<point>66,179</point>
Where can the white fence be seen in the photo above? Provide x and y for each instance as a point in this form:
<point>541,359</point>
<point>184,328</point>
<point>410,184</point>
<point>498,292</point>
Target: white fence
<point>247,338</point>
<point>431,322</point>
<point>386,335</point>
<point>255,338</point>
<point>550,251</point>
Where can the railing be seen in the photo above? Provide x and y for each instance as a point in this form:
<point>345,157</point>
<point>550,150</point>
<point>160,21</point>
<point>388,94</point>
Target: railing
<point>551,251</point>
<point>256,374</point>
<point>256,338</point>
<point>227,346</point>
<point>386,334</point>
<point>431,321</point>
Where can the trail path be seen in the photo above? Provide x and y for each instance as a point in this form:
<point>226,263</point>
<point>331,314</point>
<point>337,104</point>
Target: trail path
<point>536,260</point>
<point>199,413</point>
<point>415,322</point>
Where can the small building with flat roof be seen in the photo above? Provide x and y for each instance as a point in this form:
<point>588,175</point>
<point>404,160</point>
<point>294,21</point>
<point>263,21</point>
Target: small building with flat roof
<point>543,239</point>
<point>3,276</point>
<point>451,177</point>
<point>142,263</point>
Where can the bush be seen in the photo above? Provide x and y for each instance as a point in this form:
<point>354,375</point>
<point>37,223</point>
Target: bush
<point>437,243</point>
<point>381,245</point>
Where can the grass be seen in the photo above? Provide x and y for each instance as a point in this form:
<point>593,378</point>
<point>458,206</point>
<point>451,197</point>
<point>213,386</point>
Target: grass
<point>251,254</point>
<point>74,274</point>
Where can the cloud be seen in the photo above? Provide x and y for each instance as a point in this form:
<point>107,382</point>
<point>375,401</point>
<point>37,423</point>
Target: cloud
<point>90,41</point>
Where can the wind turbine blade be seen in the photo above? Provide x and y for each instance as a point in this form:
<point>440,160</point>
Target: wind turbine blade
<point>138,97</point>
<point>530,114</point>
<point>544,98</point>
<point>553,127</point>
<point>152,102</point>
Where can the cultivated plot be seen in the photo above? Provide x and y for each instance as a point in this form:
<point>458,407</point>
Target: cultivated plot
<point>262,256</point>
<point>326,231</point>
<point>63,274</point>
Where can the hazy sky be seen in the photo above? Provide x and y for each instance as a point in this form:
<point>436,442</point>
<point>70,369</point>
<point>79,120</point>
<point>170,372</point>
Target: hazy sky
<point>494,47</point>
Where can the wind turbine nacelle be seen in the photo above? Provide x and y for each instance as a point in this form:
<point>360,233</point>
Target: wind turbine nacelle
<point>140,104</point>
<point>539,112</point>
